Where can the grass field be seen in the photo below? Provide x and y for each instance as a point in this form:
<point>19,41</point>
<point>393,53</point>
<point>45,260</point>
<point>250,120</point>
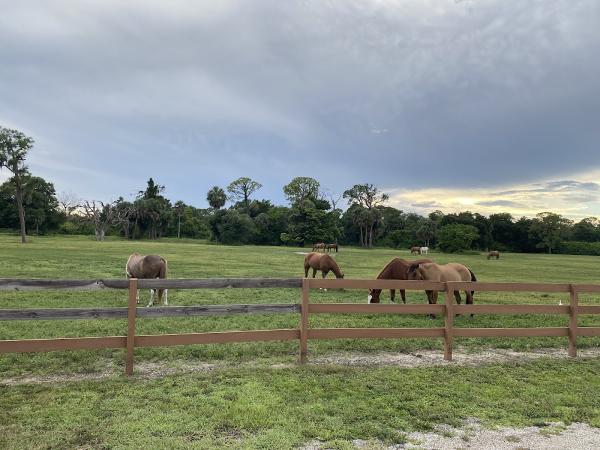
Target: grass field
<point>262,407</point>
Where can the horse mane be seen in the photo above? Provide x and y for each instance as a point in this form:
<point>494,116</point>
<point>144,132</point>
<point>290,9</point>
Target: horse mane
<point>334,266</point>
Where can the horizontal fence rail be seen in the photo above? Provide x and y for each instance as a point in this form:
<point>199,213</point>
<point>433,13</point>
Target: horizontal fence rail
<point>303,333</point>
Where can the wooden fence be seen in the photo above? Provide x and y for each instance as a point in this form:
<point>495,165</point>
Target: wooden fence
<point>303,333</point>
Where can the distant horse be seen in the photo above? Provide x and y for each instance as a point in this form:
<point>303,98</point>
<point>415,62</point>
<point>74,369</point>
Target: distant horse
<point>318,246</point>
<point>493,254</point>
<point>147,267</point>
<point>415,250</point>
<point>423,250</point>
<point>443,272</point>
<point>330,247</point>
<point>396,269</point>
<point>322,262</point>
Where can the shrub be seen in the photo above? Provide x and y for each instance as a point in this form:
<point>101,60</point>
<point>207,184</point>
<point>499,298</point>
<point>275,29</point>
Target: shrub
<point>457,237</point>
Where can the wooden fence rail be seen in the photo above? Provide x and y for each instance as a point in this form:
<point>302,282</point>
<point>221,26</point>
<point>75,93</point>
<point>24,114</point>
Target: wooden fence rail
<point>303,333</point>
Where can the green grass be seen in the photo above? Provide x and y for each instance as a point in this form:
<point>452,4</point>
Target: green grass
<point>267,408</point>
<point>262,407</point>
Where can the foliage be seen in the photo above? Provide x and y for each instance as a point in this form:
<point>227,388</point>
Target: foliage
<point>39,199</point>
<point>216,197</point>
<point>14,146</point>
<point>242,188</point>
<point>457,237</point>
<point>548,229</point>
<point>302,188</point>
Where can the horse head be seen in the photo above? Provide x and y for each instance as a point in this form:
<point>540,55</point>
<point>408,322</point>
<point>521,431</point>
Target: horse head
<point>373,296</point>
<point>414,273</point>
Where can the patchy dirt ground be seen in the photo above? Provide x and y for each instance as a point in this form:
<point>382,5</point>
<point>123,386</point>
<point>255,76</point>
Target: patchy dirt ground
<point>555,436</point>
<point>150,370</point>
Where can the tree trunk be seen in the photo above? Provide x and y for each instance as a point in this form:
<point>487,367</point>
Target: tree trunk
<point>179,226</point>
<point>100,233</point>
<point>19,197</point>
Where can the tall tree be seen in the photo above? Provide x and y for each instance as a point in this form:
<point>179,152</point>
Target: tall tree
<point>101,215</point>
<point>368,197</point>
<point>216,197</point>
<point>302,188</point>
<point>179,207</point>
<point>14,146</point>
<point>548,229</point>
<point>68,202</point>
<point>242,188</point>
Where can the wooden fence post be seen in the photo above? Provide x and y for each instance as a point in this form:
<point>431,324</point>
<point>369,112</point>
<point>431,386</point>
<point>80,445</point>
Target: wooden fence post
<point>304,321</point>
<point>448,323</point>
<point>131,313</point>
<point>573,311</point>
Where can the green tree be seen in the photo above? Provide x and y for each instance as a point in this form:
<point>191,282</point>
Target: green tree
<point>14,146</point>
<point>369,198</point>
<point>39,199</point>
<point>179,207</point>
<point>242,188</point>
<point>456,237</point>
<point>548,229</point>
<point>587,230</point>
<point>216,197</point>
<point>302,188</point>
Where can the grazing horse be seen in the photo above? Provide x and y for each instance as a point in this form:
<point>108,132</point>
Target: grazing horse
<point>493,254</point>
<point>318,246</point>
<point>147,266</point>
<point>330,247</point>
<point>423,250</point>
<point>396,269</point>
<point>443,272</point>
<point>415,250</point>
<point>322,262</point>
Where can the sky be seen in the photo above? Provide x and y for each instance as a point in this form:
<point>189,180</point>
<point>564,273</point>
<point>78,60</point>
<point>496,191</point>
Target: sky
<point>487,106</point>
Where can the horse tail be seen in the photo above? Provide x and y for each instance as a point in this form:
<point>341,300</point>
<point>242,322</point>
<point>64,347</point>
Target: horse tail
<point>473,278</point>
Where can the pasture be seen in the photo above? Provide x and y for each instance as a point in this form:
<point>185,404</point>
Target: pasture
<point>254,402</point>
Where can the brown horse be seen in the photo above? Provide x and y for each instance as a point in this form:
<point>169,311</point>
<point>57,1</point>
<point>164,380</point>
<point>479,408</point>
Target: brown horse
<point>147,266</point>
<point>330,247</point>
<point>493,254</point>
<point>322,262</point>
<point>415,250</point>
<point>396,269</point>
<point>318,246</point>
<point>443,272</point>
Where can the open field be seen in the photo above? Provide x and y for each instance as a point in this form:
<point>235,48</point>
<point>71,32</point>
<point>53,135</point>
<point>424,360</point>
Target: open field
<point>262,406</point>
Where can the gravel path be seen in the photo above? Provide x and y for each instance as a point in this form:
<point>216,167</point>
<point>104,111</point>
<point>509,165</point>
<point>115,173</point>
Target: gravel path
<point>425,358</point>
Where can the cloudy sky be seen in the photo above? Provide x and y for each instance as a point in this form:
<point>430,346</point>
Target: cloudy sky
<point>486,105</point>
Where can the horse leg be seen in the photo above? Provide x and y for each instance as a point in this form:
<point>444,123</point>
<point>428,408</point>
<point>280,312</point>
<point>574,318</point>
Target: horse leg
<point>314,273</point>
<point>165,293</point>
<point>393,295</point>
<point>306,271</point>
<point>403,295</point>
<point>152,291</point>
<point>469,299</point>
<point>137,295</point>
<point>432,300</point>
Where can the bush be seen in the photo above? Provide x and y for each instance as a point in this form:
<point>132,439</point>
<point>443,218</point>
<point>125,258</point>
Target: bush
<point>578,248</point>
<point>457,237</point>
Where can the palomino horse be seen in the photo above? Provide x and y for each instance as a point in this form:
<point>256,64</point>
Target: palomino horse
<point>147,266</point>
<point>318,246</point>
<point>415,250</point>
<point>423,250</point>
<point>322,262</point>
<point>330,247</point>
<point>493,254</point>
<point>396,269</point>
<point>443,272</point>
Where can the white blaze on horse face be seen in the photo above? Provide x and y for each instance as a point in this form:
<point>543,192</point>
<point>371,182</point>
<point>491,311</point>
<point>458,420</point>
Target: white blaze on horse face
<point>369,298</point>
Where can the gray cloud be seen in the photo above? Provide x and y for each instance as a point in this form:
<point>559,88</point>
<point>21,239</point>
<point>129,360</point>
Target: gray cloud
<point>502,203</point>
<point>401,94</point>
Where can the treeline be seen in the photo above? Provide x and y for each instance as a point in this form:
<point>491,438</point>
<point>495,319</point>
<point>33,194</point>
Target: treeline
<point>236,215</point>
